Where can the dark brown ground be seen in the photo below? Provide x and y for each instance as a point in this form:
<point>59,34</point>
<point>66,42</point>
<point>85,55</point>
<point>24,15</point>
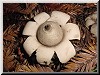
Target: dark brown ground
<point>15,16</point>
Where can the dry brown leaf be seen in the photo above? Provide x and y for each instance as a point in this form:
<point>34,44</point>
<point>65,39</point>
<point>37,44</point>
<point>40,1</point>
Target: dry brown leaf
<point>8,52</point>
<point>9,58</point>
<point>33,69</point>
<point>43,68</point>
<point>87,68</point>
<point>92,45</point>
<point>39,68</point>
<point>67,70</point>
<point>83,68</point>
<point>72,66</point>
<point>64,7</point>
<point>87,51</point>
<point>78,60</point>
<point>30,68</point>
<point>49,69</point>
<point>95,61</point>
<point>24,8</point>
<point>90,65</point>
<point>9,66</point>
<point>86,57</point>
<point>23,68</point>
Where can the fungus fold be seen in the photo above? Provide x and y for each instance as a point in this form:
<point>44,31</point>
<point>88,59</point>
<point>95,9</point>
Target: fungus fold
<point>91,23</point>
<point>50,34</point>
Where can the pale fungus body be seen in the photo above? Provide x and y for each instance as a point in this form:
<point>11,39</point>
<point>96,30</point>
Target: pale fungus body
<point>91,22</point>
<point>51,34</point>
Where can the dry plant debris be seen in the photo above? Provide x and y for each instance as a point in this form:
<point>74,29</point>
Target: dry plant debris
<point>15,60</point>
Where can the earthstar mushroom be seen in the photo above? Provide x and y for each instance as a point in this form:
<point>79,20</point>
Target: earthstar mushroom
<point>51,34</point>
<point>91,23</point>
